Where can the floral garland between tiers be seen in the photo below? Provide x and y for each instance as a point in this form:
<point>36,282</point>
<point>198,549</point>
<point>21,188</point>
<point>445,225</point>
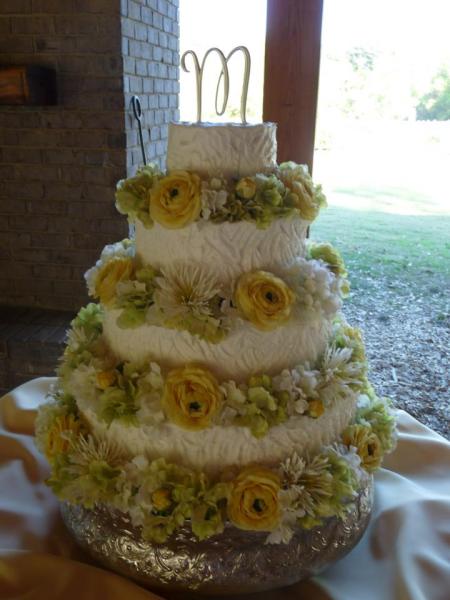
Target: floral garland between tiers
<point>187,297</point>
<point>178,198</point>
<point>192,398</point>
<point>160,497</point>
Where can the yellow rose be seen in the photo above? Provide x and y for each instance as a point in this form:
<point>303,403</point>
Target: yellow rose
<point>191,397</point>
<point>264,299</point>
<point>253,503</point>
<point>246,188</point>
<point>63,429</point>
<point>175,200</point>
<point>367,445</point>
<point>105,379</point>
<point>115,270</point>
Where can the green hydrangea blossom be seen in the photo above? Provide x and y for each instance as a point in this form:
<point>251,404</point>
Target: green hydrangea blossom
<point>133,381</point>
<point>83,340</point>
<point>346,336</point>
<point>263,408</point>
<point>269,203</point>
<point>135,298</point>
<point>190,496</point>
<point>381,419</point>
<point>133,194</point>
<point>204,326</point>
<point>118,404</point>
<point>207,520</point>
<point>90,320</point>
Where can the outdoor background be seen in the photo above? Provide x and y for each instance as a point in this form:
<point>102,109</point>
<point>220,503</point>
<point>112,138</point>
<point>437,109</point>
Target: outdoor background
<point>383,157</point>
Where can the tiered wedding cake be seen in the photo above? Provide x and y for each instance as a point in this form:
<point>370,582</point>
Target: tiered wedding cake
<point>216,382</point>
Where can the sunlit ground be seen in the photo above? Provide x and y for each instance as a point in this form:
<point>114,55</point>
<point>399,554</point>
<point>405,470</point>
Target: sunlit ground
<point>389,208</point>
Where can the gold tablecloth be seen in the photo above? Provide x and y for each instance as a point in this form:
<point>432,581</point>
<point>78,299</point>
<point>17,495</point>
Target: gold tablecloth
<point>405,554</point>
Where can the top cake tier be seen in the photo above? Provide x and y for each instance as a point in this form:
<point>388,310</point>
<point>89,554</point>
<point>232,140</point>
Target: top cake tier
<point>234,150</point>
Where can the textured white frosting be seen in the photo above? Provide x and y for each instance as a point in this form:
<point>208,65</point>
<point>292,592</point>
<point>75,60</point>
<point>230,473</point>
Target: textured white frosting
<point>214,449</point>
<point>228,249</point>
<point>231,149</point>
<point>244,352</point>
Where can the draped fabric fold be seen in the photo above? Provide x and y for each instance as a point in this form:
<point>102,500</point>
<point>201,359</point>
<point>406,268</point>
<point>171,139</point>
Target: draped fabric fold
<point>404,555</point>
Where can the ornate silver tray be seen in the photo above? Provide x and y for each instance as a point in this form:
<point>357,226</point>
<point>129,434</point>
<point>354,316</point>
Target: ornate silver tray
<point>234,562</point>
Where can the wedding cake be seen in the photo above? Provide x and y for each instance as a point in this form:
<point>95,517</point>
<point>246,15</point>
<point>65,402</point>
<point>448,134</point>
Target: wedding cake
<point>215,382</point>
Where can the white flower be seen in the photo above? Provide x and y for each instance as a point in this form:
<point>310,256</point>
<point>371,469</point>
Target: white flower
<point>338,373</point>
<point>227,416</point>
<point>363,401</point>
<point>185,289</point>
<point>86,450</point>
<point>235,399</point>
<point>293,468</point>
<point>301,384</point>
<point>76,339</point>
<point>81,384</point>
<point>140,462</point>
<point>317,289</point>
<point>289,517</point>
<point>350,455</point>
<point>233,393</point>
<point>213,197</point>
<point>130,287</point>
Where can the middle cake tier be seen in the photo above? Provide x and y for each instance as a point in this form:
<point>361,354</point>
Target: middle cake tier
<point>245,351</point>
<point>228,249</point>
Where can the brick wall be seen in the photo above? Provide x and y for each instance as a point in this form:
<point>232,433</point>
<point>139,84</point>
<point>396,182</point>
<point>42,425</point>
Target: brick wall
<point>59,164</point>
<point>150,47</point>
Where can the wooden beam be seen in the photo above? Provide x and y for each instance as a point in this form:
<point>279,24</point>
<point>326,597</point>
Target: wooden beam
<point>291,75</point>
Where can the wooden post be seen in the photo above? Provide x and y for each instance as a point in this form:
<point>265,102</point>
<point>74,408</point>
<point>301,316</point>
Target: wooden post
<point>291,75</point>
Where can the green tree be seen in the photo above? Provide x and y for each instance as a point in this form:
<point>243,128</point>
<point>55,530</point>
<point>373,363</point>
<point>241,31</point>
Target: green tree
<point>435,104</point>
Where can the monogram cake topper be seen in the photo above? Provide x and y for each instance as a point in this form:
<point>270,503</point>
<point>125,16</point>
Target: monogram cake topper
<point>224,75</point>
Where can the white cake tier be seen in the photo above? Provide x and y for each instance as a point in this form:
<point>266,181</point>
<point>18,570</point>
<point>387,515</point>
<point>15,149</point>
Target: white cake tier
<point>230,149</point>
<point>228,249</point>
<point>244,352</point>
<point>213,450</point>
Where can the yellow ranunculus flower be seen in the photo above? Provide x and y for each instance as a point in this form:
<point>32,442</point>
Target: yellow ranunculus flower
<point>58,436</point>
<point>115,270</point>
<point>175,200</point>
<point>302,192</point>
<point>367,445</point>
<point>304,195</point>
<point>253,503</point>
<point>263,299</point>
<point>329,255</point>
<point>246,188</point>
<point>106,378</point>
<point>161,499</point>
<point>191,397</point>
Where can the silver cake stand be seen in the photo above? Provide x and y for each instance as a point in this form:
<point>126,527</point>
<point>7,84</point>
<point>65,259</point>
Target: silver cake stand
<point>235,562</point>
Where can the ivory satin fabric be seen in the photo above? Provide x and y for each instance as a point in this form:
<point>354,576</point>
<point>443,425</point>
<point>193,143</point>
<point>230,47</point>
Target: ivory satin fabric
<point>404,555</point>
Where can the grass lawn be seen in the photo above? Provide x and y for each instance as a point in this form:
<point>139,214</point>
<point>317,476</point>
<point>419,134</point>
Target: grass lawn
<point>409,254</point>
<point>389,211</point>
